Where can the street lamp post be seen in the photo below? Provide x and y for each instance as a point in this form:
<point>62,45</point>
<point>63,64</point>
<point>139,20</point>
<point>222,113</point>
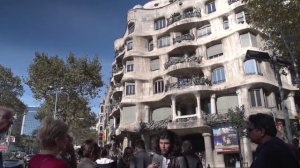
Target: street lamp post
<point>56,90</point>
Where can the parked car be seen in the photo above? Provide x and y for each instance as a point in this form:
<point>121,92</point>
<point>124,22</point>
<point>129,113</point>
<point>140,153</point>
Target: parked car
<point>13,163</point>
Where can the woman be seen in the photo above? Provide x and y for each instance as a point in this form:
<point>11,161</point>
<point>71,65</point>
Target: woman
<point>127,160</point>
<point>88,153</point>
<point>53,137</point>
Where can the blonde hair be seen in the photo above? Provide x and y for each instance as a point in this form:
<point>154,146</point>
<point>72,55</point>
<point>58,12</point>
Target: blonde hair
<point>50,130</point>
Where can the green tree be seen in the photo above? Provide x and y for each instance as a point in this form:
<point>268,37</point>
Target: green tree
<point>281,20</point>
<point>238,122</point>
<point>81,81</point>
<point>11,90</point>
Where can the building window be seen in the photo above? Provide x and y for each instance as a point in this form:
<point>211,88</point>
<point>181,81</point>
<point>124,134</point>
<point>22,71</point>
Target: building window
<point>150,45</point>
<point>214,51</point>
<point>204,30</point>
<point>210,7</point>
<point>158,86</point>
<point>154,64</point>
<point>251,67</point>
<point>218,75</point>
<point>130,88</point>
<point>257,98</point>
<point>159,23</point>
<point>129,66</point>
<point>225,23</point>
<point>248,40</point>
<point>241,17</point>
<point>129,45</point>
<point>131,27</point>
<point>163,41</point>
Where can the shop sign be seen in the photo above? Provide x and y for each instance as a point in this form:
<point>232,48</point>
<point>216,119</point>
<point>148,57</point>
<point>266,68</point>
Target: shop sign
<point>225,139</point>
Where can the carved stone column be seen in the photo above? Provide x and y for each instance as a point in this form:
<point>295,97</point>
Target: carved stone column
<point>246,150</point>
<point>213,109</point>
<point>209,156</point>
<point>173,98</point>
<point>292,106</point>
<point>147,115</point>
<point>198,97</point>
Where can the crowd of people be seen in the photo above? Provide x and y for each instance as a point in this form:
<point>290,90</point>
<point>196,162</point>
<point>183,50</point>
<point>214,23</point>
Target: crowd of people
<point>57,150</point>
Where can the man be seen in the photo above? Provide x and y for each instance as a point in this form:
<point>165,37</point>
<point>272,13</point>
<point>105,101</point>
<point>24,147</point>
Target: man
<point>271,151</point>
<point>141,157</point>
<point>6,120</point>
<point>190,157</point>
<point>168,156</point>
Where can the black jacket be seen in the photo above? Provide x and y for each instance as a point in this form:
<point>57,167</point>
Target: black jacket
<point>274,154</point>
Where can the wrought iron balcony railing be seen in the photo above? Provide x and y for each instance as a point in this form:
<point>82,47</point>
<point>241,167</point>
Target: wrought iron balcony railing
<point>115,104</point>
<point>212,119</point>
<point>117,69</point>
<point>176,17</point>
<point>232,1</point>
<point>180,84</point>
<point>194,59</point>
<point>119,50</point>
<point>183,37</point>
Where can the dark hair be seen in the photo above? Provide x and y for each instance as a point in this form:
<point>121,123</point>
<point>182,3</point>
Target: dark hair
<point>187,147</point>
<point>104,152</point>
<point>264,121</point>
<point>165,134</point>
<point>89,149</point>
<point>139,144</point>
<point>174,142</point>
<point>127,155</point>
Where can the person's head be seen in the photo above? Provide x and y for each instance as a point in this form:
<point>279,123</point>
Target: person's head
<point>295,142</point>
<point>53,134</point>
<point>166,142</point>
<point>128,154</point>
<point>261,127</point>
<point>89,149</point>
<point>187,147</point>
<point>6,118</point>
<point>139,144</point>
<point>104,152</point>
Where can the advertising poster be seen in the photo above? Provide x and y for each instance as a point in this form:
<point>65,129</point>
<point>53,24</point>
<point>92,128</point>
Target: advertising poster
<point>225,139</point>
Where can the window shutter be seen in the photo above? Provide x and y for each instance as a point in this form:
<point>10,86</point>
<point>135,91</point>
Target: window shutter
<point>253,40</point>
<point>214,50</point>
<point>154,64</point>
<point>245,41</point>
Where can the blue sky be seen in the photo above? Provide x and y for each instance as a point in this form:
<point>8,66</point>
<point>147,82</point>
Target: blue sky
<point>58,27</point>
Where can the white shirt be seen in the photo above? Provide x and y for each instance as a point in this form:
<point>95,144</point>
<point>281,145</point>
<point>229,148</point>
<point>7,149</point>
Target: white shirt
<point>165,162</point>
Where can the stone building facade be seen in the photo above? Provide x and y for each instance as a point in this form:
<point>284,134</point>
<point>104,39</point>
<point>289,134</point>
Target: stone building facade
<point>180,61</point>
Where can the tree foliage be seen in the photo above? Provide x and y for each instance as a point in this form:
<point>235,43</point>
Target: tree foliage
<point>238,120</point>
<point>11,90</point>
<point>76,80</point>
<point>281,20</point>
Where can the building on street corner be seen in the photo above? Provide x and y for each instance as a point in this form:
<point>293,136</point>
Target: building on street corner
<point>182,64</point>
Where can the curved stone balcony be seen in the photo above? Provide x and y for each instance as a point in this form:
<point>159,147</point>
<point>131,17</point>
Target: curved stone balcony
<point>192,59</point>
<point>115,108</point>
<point>119,51</point>
<point>117,90</point>
<point>117,73</point>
